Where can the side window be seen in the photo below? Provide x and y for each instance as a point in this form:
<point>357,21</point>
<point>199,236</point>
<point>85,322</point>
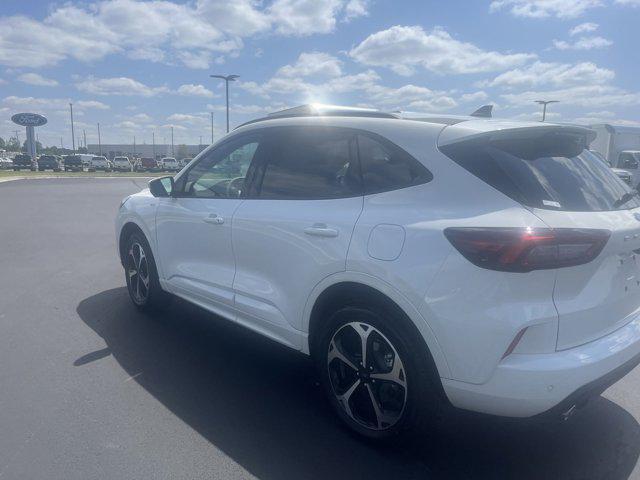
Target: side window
<point>311,163</point>
<point>221,173</point>
<point>387,167</point>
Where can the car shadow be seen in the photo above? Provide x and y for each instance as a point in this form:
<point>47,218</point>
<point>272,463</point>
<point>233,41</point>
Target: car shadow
<point>260,403</point>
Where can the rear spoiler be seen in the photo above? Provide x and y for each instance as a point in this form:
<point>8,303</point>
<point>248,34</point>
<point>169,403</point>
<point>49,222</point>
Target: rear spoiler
<point>488,131</point>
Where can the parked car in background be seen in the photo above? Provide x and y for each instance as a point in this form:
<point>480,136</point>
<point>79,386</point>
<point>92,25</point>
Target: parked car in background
<point>169,164</point>
<point>85,158</point>
<point>121,164</point>
<point>73,163</point>
<point>630,161</point>
<point>50,162</point>
<point>99,163</point>
<point>184,161</point>
<point>624,175</point>
<point>426,262</point>
<point>24,162</point>
<point>147,164</point>
<point>6,163</point>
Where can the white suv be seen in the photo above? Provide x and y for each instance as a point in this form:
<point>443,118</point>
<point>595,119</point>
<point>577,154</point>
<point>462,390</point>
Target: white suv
<point>169,164</point>
<point>99,163</point>
<point>121,164</point>
<point>491,265</point>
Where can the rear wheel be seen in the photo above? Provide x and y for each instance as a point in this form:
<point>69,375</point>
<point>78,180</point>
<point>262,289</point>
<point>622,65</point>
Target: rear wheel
<point>375,373</point>
<point>142,276</point>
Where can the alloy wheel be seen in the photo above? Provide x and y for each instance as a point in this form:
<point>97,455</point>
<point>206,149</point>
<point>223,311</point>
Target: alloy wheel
<point>138,273</point>
<point>367,376</point>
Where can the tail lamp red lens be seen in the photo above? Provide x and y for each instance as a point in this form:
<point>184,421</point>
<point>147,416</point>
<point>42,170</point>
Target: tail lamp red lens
<point>527,249</point>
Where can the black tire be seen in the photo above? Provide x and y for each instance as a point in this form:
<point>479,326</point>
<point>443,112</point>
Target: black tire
<point>422,398</point>
<point>147,297</point>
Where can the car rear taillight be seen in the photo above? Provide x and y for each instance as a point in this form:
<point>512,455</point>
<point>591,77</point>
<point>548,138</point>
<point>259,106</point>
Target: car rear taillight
<point>527,249</point>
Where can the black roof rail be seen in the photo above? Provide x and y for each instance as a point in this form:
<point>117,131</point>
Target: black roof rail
<point>318,110</point>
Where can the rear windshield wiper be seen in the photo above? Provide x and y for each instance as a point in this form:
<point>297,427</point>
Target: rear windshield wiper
<point>625,198</point>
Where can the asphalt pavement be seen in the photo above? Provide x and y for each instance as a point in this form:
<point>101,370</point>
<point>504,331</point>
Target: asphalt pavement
<point>92,389</point>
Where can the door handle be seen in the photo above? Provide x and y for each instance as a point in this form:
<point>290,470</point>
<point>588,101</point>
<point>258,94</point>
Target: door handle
<point>213,219</point>
<point>321,230</point>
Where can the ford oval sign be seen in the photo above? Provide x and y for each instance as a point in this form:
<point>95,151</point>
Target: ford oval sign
<point>29,119</point>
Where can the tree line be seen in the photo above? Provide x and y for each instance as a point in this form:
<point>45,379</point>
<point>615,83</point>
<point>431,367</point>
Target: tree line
<point>12,145</point>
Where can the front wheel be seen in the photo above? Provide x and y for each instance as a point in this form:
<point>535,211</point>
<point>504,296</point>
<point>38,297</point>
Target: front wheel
<point>142,276</point>
<point>375,373</point>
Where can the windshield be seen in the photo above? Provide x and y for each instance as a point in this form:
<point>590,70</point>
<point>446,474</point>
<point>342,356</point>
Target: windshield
<point>546,173</point>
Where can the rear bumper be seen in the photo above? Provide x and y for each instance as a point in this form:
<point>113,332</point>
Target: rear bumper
<point>527,385</point>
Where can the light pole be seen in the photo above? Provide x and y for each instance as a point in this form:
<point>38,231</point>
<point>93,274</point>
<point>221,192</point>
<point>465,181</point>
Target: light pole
<point>84,134</point>
<point>211,128</point>
<point>153,139</point>
<point>99,140</point>
<point>73,138</point>
<point>227,79</point>
<point>172,141</point>
<point>544,104</point>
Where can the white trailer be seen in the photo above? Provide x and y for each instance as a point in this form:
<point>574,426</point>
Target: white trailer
<point>620,146</point>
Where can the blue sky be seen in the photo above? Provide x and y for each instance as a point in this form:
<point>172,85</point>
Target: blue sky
<point>139,67</point>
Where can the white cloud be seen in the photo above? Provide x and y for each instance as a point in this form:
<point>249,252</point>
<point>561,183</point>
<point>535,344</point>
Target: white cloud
<point>479,96</point>
<point>313,64</point>
<point>239,17</point>
<point>583,43</point>
<point>583,28</point>
<point>118,86</point>
<point>356,8</point>
<point>243,109</point>
<point>92,104</point>
<point>545,8</point>
<point>589,96</point>
<point>192,33</point>
<point>36,79</point>
<point>631,3</point>
<point>402,49</point>
<point>51,104</point>
<point>365,83</point>
<point>142,118</point>
<point>554,74</point>
<point>305,17</point>
<point>190,89</point>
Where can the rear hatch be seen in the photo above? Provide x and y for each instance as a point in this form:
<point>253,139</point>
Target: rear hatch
<point>548,170</point>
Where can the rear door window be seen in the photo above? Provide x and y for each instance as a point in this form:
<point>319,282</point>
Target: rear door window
<point>550,172</point>
<point>310,163</point>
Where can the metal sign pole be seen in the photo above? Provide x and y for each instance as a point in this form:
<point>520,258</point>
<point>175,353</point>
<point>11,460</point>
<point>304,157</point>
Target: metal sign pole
<point>31,141</point>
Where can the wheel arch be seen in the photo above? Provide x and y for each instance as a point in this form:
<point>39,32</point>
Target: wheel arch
<point>126,231</point>
<point>342,289</point>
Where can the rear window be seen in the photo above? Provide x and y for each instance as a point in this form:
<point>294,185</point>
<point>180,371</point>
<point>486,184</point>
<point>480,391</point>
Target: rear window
<point>551,172</point>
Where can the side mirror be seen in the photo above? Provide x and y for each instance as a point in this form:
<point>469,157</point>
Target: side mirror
<point>161,187</point>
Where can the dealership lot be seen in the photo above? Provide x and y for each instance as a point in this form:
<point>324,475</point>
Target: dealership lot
<point>90,388</point>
